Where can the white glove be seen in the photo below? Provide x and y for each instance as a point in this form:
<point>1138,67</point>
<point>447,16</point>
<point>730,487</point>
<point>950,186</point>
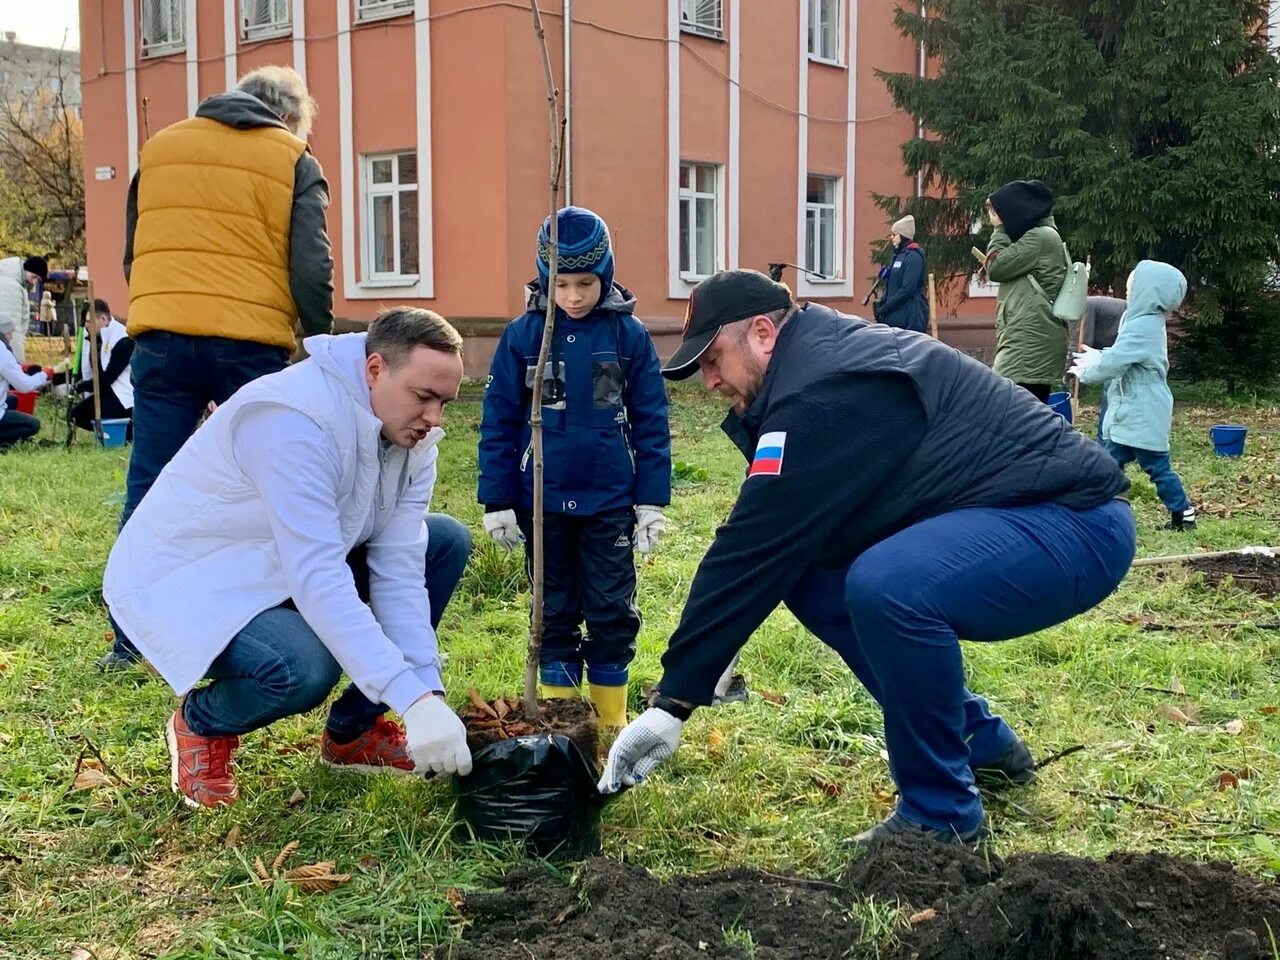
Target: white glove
<point>643,744</point>
<point>1084,361</point>
<point>502,527</point>
<point>650,525</point>
<point>63,365</point>
<point>437,738</point>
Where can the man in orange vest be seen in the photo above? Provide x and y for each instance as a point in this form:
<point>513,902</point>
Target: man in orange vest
<point>226,250</point>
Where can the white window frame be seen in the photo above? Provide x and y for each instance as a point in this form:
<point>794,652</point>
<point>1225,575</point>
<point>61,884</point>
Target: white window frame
<point>274,28</point>
<point>177,25</point>
<point>702,17</point>
<point>367,10</point>
<point>394,189</point>
<point>690,195</point>
<point>836,207</point>
<point>814,43</point>
<point>1273,27</point>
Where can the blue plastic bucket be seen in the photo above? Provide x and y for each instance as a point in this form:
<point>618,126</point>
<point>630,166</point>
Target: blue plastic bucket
<point>1060,403</point>
<point>114,433</point>
<point>1228,439</point>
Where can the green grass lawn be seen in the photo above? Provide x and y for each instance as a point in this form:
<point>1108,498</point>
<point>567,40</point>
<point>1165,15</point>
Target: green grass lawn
<point>121,870</point>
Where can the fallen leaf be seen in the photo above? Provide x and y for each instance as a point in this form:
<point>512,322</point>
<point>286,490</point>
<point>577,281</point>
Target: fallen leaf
<point>829,787</point>
<point>283,856</point>
<point>369,863</point>
<point>232,838</point>
<point>1234,727</point>
<point>317,877</point>
<point>923,916</point>
<point>1175,686</point>
<point>1228,781</point>
<point>715,743</point>
<point>1172,714</point>
<point>80,953</point>
<point>297,797</point>
<point>453,896</point>
<point>89,778</point>
<point>478,702</point>
<point>778,699</point>
<point>1269,710</point>
<point>260,871</point>
<point>501,708</point>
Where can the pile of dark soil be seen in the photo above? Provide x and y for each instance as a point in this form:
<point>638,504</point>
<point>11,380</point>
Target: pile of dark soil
<point>969,907</point>
<point>1054,907</point>
<point>620,912</point>
<point>490,721</point>
<point>1258,573</point>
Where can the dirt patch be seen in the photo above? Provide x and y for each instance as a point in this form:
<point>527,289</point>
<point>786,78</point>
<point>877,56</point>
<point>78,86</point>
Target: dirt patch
<point>1259,574</point>
<point>1043,906</point>
<point>619,912</point>
<point>490,721</point>
<point>1030,907</point>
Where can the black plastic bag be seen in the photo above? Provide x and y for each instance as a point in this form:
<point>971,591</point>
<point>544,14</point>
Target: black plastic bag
<point>536,790</point>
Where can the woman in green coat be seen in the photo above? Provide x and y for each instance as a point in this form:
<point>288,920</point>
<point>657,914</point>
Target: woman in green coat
<point>1026,258</point>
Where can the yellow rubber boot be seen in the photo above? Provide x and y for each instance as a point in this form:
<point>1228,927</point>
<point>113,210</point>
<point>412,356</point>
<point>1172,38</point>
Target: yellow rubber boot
<point>611,704</point>
<point>551,692</point>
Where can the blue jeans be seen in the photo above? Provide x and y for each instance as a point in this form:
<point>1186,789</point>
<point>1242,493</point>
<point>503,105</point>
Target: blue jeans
<point>1156,465</point>
<point>897,613</point>
<point>277,667</point>
<point>175,376</point>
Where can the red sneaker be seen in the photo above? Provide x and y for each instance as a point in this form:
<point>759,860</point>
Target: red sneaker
<point>200,767</point>
<point>382,749</point>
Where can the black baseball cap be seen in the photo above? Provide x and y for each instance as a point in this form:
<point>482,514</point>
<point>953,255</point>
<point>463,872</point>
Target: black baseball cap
<point>725,297</point>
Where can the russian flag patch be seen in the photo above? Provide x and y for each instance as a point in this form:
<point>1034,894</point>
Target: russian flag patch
<point>768,459</point>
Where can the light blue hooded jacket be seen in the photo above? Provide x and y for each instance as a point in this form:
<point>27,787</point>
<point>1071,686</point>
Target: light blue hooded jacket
<point>1135,368</point>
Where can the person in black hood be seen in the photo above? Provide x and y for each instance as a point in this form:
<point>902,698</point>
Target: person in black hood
<point>899,495</point>
<point>1027,258</point>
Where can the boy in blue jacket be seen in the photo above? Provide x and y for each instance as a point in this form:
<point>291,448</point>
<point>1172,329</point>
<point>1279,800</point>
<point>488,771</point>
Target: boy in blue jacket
<point>608,459</point>
<point>1138,404</point>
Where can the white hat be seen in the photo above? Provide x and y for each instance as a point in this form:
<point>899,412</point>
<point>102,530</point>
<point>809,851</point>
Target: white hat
<point>906,227</point>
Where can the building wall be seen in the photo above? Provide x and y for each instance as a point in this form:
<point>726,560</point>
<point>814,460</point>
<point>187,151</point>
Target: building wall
<point>461,82</point>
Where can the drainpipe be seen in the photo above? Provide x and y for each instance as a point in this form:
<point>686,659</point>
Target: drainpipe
<point>568,102</point>
<point>919,123</point>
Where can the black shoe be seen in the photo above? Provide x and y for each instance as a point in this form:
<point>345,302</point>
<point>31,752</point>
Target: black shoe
<point>1014,767</point>
<point>1181,520</point>
<point>735,693</point>
<point>896,824</point>
<point>113,661</point>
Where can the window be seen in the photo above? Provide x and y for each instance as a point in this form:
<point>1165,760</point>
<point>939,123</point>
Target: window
<point>1273,26</point>
<point>822,228</point>
<point>702,16</point>
<point>264,18</point>
<point>391,217</point>
<point>824,29</point>
<point>163,23</point>
<point>373,9</point>
<point>699,220</point>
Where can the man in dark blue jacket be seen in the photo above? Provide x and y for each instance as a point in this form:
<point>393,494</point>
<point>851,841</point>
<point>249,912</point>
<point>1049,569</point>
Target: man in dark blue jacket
<point>905,303</point>
<point>899,496</point>
<point>608,459</point>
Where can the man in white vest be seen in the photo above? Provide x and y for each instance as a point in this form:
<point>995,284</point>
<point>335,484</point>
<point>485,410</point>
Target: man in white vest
<point>115,385</point>
<point>243,564</point>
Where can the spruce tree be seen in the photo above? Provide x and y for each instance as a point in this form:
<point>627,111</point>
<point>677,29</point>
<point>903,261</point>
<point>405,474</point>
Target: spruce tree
<point>1155,122</point>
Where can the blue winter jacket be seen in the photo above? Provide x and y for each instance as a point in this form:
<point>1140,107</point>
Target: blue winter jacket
<point>905,302</point>
<point>604,407</point>
<point>1139,404</point>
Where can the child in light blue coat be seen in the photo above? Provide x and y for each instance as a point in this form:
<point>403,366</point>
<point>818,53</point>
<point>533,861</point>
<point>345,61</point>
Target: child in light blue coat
<point>1139,405</point>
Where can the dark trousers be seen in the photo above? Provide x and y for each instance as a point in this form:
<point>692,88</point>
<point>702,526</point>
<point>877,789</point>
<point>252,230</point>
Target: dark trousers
<point>277,667</point>
<point>1040,391</point>
<point>896,616</point>
<point>175,377</point>
<point>1157,466</point>
<point>15,427</point>
<point>591,577</point>
<point>112,409</point>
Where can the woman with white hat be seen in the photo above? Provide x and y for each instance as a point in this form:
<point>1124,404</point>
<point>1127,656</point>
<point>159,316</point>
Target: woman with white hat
<point>905,303</point>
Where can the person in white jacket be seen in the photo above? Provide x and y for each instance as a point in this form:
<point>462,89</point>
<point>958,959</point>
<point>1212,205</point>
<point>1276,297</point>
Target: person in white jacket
<point>243,564</point>
<point>16,426</point>
<point>17,277</point>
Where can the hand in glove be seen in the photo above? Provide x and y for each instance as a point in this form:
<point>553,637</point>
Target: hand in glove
<point>63,365</point>
<point>1084,361</point>
<point>502,527</point>
<point>643,744</point>
<point>650,525</point>
<point>437,738</point>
